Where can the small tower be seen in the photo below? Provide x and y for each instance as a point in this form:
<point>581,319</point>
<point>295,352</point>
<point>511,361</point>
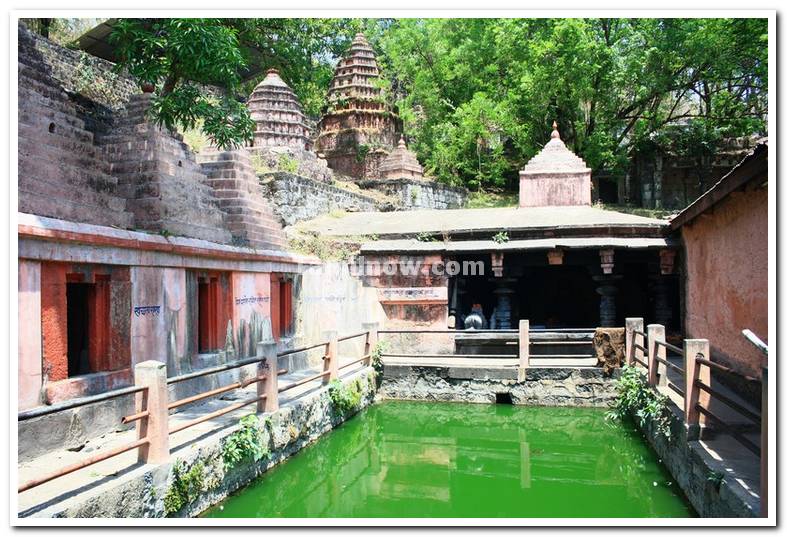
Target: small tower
<point>357,131</point>
<point>401,163</point>
<point>275,109</point>
<point>555,176</point>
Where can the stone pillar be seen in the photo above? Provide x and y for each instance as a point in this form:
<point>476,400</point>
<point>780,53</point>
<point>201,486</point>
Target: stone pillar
<point>658,176</point>
<point>657,371</point>
<point>693,349</point>
<point>524,343</point>
<point>269,368</point>
<point>371,339</point>
<point>154,427</point>
<point>331,360</point>
<point>607,308</point>
<point>503,307</point>
<point>634,324</point>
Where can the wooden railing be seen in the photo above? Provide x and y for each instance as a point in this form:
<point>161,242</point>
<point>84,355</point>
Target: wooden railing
<point>522,340</point>
<point>153,406</point>
<point>649,350</point>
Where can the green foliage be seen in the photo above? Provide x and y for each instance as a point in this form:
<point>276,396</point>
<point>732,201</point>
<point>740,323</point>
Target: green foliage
<point>324,247</point>
<point>640,401</point>
<point>426,236</point>
<point>492,198</point>
<point>715,479</point>
<point>501,237</point>
<point>345,399</point>
<point>377,360</point>
<point>478,96</point>
<point>186,486</point>
<point>245,443</point>
<point>287,164</point>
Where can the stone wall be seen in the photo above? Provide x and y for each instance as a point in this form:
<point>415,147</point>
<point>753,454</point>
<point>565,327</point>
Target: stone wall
<point>297,198</point>
<point>535,386</point>
<point>726,287</point>
<point>414,194</point>
<point>62,173</point>
<point>140,492</point>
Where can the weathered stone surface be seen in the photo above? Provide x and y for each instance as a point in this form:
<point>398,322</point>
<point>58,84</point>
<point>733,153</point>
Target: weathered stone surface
<point>538,386</point>
<point>555,176</point>
<point>275,109</point>
<point>419,194</point>
<point>401,163</point>
<point>609,344</point>
<point>297,198</point>
<point>357,132</point>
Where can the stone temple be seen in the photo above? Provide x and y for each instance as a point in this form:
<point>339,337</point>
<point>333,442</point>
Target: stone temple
<point>277,112</point>
<point>401,163</point>
<point>555,176</point>
<point>358,131</point>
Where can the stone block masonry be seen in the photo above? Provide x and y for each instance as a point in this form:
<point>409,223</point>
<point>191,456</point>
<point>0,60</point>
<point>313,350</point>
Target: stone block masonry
<point>297,198</point>
<point>415,194</point>
<point>535,386</point>
<point>62,173</point>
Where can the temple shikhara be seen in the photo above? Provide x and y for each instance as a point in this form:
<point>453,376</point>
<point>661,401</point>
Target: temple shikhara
<point>359,130</point>
<point>152,265</point>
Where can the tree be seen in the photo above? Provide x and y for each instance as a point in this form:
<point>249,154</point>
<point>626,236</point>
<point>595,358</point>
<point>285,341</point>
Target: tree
<point>613,85</point>
<point>198,66</point>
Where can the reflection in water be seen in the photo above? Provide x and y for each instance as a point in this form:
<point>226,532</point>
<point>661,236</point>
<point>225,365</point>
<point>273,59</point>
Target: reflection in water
<point>402,459</point>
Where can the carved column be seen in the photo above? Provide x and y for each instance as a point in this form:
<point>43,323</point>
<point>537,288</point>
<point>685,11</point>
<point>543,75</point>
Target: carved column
<point>607,308</point>
<point>503,293</point>
<point>607,289</point>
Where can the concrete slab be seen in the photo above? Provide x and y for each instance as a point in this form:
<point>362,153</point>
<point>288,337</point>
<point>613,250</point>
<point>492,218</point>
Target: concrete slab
<point>469,220</point>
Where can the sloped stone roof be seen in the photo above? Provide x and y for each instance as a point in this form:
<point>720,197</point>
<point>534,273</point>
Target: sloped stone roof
<point>401,162</point>
<point>555,157</point>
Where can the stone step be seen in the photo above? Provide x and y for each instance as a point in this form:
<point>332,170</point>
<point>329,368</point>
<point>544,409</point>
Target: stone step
<point>40,115</point>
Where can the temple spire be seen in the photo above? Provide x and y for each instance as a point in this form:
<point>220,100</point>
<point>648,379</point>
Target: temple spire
<point>555,133</point>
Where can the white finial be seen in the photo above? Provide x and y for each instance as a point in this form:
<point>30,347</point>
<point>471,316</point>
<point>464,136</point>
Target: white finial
<point>555,133</point>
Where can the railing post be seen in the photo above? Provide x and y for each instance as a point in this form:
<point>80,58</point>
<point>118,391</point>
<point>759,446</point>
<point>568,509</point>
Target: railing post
<point>657,372</point>
<point>632,324</point>
<point>764,446</point>
<point>269,368</point>
<point>154,427</point>
<point>693,349</point>
<point>524,343</point>
<point>371,339</point>
<point>331,361</point>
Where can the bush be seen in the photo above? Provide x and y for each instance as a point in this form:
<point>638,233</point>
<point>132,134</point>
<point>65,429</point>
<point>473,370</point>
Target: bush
<point>246,442</point>
<point>186,486</point>
<point>640,401</point>
<point>344,399</point>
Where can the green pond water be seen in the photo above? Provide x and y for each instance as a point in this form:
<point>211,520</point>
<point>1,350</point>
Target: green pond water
<point>409,459</point>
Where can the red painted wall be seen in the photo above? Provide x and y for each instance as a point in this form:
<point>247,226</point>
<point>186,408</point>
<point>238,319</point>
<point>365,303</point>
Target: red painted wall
<point>727,278</point>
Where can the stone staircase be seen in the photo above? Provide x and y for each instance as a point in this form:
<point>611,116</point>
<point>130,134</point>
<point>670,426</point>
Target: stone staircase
<point>166,188</point>
<point>250,216</point>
